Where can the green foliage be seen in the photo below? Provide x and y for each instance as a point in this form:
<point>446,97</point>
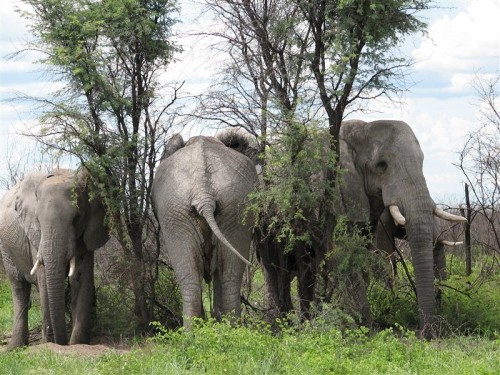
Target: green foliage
<point>294,185</point>
<point>350,247</point>
<point>114,296</point>
<point>318,347</point>
<point>467,304</point>
<point>472,303</point>
<point>392,302</point>
<point>112,318</point>
<point>349,265</point>
<point>109,55</point>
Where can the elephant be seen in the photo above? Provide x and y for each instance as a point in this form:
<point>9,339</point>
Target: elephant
<point>49,229</point>
<point>383,165</point>
<point>387,231</point>
<point>199,192</point>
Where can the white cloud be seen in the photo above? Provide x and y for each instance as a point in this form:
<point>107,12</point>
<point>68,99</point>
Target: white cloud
<point>441,108</point>
<point>468,41</point>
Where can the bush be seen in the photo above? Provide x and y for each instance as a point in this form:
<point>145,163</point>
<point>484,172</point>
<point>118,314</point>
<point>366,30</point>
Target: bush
<point>467,304</point>
<point>393,305</point>
<point>471,304</point>
<point>115,317</point>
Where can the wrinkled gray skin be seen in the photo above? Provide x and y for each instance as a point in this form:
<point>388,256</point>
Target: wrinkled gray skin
<point>199,193</point>
<point>39,220</point>
<point>387,231</point>
<point>384,163</point>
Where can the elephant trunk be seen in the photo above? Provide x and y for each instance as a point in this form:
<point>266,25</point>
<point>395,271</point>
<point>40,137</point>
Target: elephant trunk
<point>418,211</point>
<point>54,250</point>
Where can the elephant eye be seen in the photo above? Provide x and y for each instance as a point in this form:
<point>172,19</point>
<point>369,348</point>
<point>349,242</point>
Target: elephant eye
<point>382,166</point>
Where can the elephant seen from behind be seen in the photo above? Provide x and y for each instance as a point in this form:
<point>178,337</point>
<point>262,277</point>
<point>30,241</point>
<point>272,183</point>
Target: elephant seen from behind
<point>49,229</point>
<point>199,194</point>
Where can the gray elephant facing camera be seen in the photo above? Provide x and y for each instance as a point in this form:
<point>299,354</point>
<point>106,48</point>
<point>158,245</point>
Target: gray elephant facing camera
<point>199,193</point>
<point>383,163</point>
<point>49,229</point>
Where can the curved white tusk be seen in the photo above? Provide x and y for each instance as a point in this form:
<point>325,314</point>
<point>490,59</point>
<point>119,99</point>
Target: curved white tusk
<point>35,267</point>
<point>397,215</point>
<point>450,243</point>
<point>439,212</point>
<point>72,266</point>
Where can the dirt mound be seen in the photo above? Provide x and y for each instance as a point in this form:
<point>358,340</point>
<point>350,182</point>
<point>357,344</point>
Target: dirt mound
<point>79,349</point>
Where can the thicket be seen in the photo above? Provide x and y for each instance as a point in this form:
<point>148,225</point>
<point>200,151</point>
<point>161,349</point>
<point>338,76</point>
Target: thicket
<point>112,116</point>
<point>318,347</point>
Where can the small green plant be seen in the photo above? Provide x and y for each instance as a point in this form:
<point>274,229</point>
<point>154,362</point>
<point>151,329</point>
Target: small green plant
<point>471,303</point>
<point>352,266</point>
<point>393,303</point>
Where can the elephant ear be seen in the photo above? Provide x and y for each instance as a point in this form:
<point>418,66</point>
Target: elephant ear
<point>95,231</point>
<point>174,143</point>
<point>239,140</point>
<point>26,205</point>
<point>353,200</point>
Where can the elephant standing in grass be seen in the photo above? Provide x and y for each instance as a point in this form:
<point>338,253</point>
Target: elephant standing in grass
<point>49,229</point>
<point>199,193</point>
<point>383,162</point>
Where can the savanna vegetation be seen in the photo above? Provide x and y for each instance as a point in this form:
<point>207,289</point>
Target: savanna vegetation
<point>294,70</point>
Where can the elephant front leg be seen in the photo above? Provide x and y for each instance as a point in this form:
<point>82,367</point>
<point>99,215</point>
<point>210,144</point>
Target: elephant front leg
<point>21,291</point>
<point>82,299</point>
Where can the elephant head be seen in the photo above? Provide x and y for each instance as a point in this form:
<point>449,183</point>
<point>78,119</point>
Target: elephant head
<point>62,227</point>
<point>383,163</point>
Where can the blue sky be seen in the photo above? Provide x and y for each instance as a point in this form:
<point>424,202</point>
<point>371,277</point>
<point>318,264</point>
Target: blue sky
<point>442,107</point>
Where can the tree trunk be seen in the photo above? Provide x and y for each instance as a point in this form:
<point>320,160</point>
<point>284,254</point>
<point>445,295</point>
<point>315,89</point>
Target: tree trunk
<point>277,267</point>
<point>468,215</point>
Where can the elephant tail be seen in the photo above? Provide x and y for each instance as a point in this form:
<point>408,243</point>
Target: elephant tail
<point>210,218</point>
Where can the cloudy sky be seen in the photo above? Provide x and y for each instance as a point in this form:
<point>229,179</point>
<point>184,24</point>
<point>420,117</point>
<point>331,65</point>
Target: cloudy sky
<point>441,107</point>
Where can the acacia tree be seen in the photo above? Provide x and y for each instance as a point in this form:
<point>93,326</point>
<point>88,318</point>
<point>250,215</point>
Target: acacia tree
<point>293,65</point>
<point>110,113</point>
<point>479,161</point>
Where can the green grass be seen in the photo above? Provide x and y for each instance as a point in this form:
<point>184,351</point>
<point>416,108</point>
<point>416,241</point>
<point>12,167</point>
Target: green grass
<point>5,307</point>
<point>318,347</point>
<point>213,348</point>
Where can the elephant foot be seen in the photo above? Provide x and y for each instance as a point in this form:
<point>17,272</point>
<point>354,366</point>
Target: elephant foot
<point>16,343</point>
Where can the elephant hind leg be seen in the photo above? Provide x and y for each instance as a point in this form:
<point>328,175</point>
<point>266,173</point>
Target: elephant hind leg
<point>192,306</point>
<point>230,269</point>
<point>184,254</point>
<point>227,288</point>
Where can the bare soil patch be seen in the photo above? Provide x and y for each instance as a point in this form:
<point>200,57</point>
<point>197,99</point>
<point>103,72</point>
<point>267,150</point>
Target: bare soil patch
<point>78,350</point>
<point>99,345</point>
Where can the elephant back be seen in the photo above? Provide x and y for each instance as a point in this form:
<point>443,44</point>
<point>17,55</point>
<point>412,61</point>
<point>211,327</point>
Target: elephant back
<point>204,170</point>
